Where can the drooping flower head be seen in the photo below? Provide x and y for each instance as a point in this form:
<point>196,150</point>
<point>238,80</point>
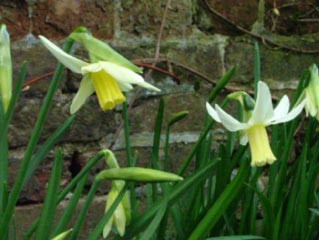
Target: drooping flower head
<point>254,127</point>
<point>311,93</point>
<point>5,68</point>
<point>108,79</point>
<point>122,214</point>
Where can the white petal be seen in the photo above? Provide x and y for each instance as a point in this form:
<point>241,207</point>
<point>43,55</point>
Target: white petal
<point>125,75</point>
<point>263,108</point>
<point>230,123</point>
<point>125,87</point>
<point>74,64</point>
<point>212,112</point>
<point>243,139</point>
<point>108,226</point>
<point>85,90</point>
<point>291,115</point>
<point>120,219</point>
<point>282,108</point>
<point>92,67</point>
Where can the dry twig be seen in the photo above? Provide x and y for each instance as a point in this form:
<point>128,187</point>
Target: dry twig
<point>263,38</point>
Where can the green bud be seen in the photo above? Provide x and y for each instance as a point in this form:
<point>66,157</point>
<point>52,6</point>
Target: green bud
<point>82,29</point>
<point>312,92</point>
<point>137,174</point>
<point>249,103</point>
<point>245,100</point>
<point>63,235</point>
<point>5,68</point>
<point>177,117</point>
<point>101,51</point>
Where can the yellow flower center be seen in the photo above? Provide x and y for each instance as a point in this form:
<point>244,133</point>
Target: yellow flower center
<point>107,90</point>
<point>259,146</point>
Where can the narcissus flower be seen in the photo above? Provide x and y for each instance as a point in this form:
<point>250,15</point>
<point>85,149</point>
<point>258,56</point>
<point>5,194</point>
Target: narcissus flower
<point>106,78</point>
<point>311,93</point>
<point>254,128</point>
<point>5,68</point>
<point>122,214</point>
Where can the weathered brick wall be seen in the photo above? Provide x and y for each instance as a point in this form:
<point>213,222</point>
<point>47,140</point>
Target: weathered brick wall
<point>193,36</point>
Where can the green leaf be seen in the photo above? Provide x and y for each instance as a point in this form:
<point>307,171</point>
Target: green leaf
<point>47,146</point>
<point>70,209</point>
<point>150,231</point>
<point>48,210</point>
<point>78,226</point>
<point>221,84</point>
<point>257,72</point>
<point>222,203</point>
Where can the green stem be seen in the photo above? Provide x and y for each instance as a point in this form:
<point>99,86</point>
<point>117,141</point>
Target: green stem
<point>127,135</point>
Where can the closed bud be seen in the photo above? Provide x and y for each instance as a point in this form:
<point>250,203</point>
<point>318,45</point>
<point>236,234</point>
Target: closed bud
<point>137,174</point>
<point>5,68</point>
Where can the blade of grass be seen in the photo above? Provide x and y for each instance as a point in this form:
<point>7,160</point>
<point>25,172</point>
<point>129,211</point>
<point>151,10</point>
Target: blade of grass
<point>157,135</point>
<point>221,84</point>
<point>220,206</point>
<point>257,72</point>
<point>81,217</point>
<point>69,210</point>
<point>156,148</point>
<point>130,160</point>
<point>151,229</point>
<point>292,200</point>
<point>47,146</point>
<point>48,212</point>
<point>279,184</point>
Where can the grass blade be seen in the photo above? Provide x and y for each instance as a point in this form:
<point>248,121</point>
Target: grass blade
<point>220,206</point>
<point>48,212</point>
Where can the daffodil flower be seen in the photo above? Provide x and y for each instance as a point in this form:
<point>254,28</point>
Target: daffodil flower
<point>122,214</point>
<point>106,78</point>
<point>254,128</point>
<point>311,93</point>
<point>5,68</point>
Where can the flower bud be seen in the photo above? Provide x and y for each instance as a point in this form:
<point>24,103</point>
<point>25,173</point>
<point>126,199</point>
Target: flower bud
<point>5,68</point>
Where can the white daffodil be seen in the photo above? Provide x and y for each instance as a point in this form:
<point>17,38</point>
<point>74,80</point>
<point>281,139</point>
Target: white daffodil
<point>106,78</point>
<point>311,93</point>
<point>122,214</point>
<point>5,68</point>
<point>254,128</point>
